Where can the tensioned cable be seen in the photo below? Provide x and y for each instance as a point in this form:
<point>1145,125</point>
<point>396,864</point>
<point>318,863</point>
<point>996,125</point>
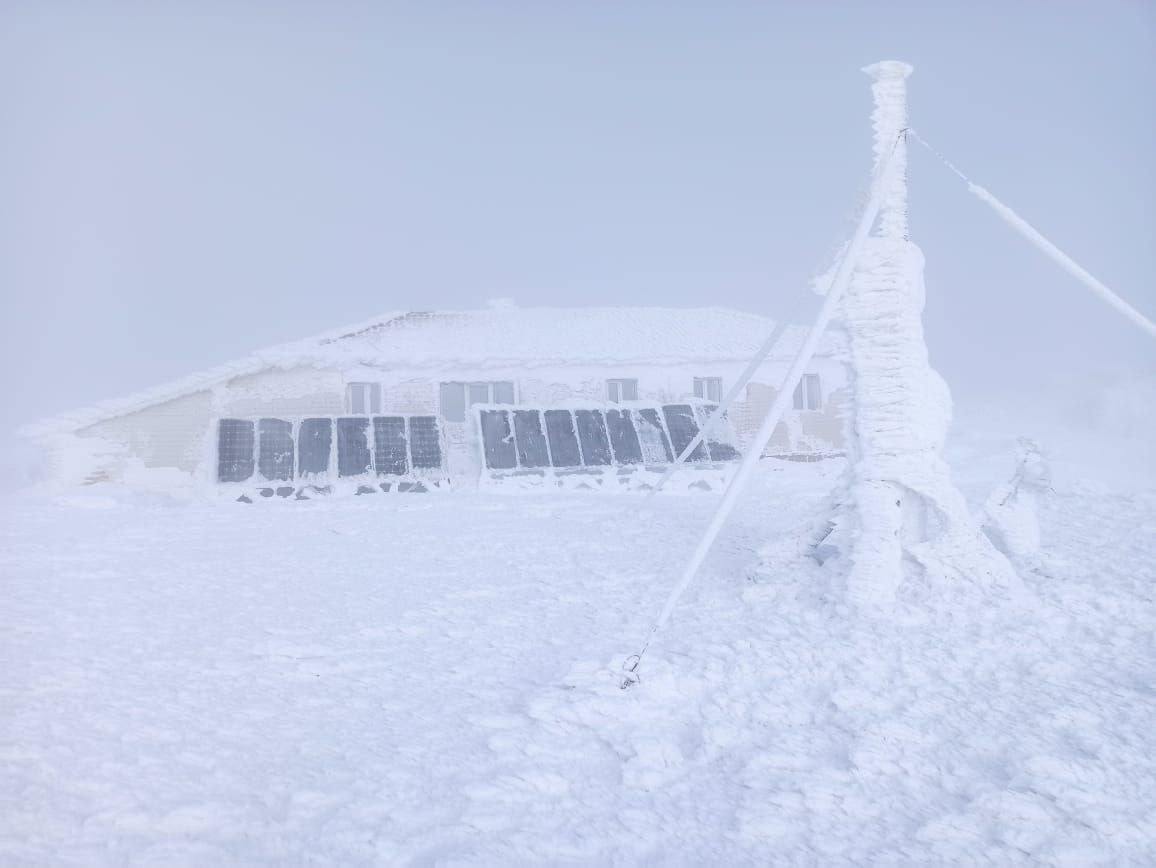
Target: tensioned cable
<point>1033,235</point>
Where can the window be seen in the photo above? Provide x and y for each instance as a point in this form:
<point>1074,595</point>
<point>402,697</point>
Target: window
<point>809,393</point>
<point>622,390</point>
<point>708,388</point>
<point>456,397</point>
<point>363,398</point>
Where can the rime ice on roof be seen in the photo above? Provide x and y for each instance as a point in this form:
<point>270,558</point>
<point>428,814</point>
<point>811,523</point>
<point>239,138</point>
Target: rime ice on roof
<point>548,336</point>
<point>502,336</point>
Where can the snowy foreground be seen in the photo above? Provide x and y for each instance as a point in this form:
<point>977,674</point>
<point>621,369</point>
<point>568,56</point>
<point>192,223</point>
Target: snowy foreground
<point>432,680</point>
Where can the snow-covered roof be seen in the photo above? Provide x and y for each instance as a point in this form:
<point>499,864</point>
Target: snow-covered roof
<point>489,338</point>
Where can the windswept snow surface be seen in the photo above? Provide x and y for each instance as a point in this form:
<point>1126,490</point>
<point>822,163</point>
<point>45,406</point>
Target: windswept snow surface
<point>432,680</point>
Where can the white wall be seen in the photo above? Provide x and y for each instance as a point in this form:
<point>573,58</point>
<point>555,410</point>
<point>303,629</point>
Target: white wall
<point>178,433</point>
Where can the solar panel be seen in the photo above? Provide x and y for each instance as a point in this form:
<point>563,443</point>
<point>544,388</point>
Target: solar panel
<point>592,435</point>
<point>498,440</point>
<point>424,443</point>
<point>530,440</point>
<point>683,428</point>
<point>718,451</point>
<point>563,439</point>
<point>389,446</point>
<point>235,441</point>
<point>314,439</point>
<point>651,437</point>
<point>275,449</point>
<point>353,455</point>
<point>623,437</point>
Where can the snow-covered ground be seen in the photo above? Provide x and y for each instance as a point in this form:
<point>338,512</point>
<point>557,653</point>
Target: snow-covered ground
<point>431,679</point>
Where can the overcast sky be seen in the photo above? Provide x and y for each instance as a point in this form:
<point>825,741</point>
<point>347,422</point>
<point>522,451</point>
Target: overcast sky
<point>182,183</point>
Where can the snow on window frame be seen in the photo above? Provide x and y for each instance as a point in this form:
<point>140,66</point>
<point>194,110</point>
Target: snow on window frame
<point>470,393</point>
<point>620,389</point>
<point>363,398</point>
<point>708,389</point>
<point>809,393</point>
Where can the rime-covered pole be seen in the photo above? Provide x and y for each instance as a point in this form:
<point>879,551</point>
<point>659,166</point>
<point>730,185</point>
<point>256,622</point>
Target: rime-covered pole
<point>899,513</point>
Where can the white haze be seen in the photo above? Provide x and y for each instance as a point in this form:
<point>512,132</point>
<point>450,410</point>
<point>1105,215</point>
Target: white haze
<point>182,185</point>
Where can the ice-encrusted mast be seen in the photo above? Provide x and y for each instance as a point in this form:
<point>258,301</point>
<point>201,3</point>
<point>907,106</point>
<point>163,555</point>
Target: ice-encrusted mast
<point>898,515</point>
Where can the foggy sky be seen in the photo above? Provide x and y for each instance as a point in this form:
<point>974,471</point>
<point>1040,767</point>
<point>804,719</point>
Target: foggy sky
<point>184,183</point>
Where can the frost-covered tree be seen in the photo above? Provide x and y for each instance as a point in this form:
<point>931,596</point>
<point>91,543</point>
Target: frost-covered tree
<point>898,515</point>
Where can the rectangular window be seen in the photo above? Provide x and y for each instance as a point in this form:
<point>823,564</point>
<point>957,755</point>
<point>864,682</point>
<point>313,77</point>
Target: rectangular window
<point>708,388</point>
<point>363,399</point>
<point>618,391</point>
<point>809,393</point>
<point>456,397</point>
<point>478,393</point>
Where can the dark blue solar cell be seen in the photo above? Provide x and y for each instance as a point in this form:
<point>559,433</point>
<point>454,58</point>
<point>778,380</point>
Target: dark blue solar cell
<point>719,451</point>
<point>235,442</point>
<point>623,437</point>
<point>530,440</point>
<point>424,443</point>
<point>498,440</point>
<point>563,439</point>
<point>314,439</point>
<point>353,455</point>
<point>389,450</point>
<point>683,428</point>
<point>592,435</point>
<point>275,449</point>
<point>652,437</point>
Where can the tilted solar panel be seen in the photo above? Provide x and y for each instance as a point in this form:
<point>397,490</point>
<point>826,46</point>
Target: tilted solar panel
<point>389,446</point>
<point>563,439</point>
<point>314,442</point>
<point>235,442</point>
<point>592,435</point>
<point>275,449</point>
<point>623,438</point>
<point>353,455</point>
<point>498,440</point>
<point>683,428</point>
<point>651,437</point>
<point>530,439</point>
<point>424,443</point>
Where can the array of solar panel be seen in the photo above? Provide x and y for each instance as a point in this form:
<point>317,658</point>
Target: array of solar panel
<point>381,445</point>
<point>525,438</point>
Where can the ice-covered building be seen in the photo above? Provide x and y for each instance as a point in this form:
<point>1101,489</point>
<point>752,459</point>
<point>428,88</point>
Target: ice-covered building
<point>409,396</point>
